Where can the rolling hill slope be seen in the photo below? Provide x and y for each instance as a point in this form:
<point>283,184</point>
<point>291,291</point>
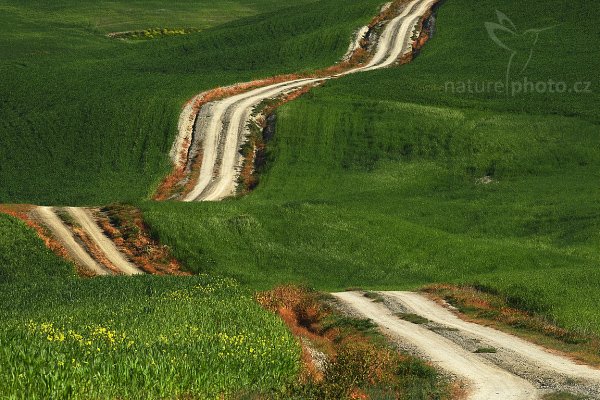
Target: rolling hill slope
<point>85,119</point>
<point>389,179</point>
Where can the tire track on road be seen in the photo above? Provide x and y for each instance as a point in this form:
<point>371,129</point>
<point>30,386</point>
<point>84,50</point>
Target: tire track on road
<point>65,237</point>
<point>541,363</point>
<point>88,224</point>
<point>515,369</point>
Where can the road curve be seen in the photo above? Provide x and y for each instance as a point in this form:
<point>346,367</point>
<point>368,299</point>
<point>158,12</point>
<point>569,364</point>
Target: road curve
<point>485,380</point>
<point>63,235</point>
<point>222,135</point>
<point>532,354</point>
<point>83,218</point>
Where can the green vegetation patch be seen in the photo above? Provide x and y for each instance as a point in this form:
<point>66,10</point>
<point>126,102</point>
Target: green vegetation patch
<point>485,350</point>
<point>374,296</point>
<point>152,33</point>
<point>146,337</point>
<point>562,396</point>
<point>414,318</point>
<point>25,258</point>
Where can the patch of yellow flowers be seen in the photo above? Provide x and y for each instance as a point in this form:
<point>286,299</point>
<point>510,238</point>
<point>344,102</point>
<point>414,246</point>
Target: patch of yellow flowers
<point>202,289</point>
<point>95,335</point>
<point>248,345</point>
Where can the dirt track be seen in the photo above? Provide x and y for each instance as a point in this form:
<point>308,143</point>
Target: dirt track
<point>83,218</point>
<point>62,233</point>
<point>219,133</point>
<point>223,134</point>
<point>516,369</point>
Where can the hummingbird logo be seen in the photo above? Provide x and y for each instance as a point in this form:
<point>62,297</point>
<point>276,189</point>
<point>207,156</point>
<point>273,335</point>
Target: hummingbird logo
<point>520,45</point>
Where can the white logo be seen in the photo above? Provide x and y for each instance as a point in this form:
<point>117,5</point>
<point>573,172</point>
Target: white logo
<point>520,45</point>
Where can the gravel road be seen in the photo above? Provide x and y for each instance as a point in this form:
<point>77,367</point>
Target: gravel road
<point>515,369</point>
<point>84,218</point>
<point>64,236</point>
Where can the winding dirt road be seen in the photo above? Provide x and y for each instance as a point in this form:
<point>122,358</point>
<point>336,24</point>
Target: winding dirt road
<point>220,129</point>
<point>517,369</point>
<point>223,129</point>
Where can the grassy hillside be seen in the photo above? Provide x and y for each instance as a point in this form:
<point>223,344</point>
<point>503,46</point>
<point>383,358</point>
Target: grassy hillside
<point>388,180</point>
<point>85,119</point>
<point>24,257</point>
<point>148,337</point>
<point>383,180</point>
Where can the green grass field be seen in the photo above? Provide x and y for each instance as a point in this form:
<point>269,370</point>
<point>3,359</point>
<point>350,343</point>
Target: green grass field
<point>24,257</point>
<point>375,179</point>
<point>148,337</point>
<point>85,119</point>
<point>106,17</point>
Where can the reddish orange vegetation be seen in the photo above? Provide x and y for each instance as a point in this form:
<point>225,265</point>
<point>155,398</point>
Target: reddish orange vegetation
<point>20,211</point>
<point>172,182</point>
<point>125,226</point>
<point>490,309</point>
<point>194,174</point>
<point>169,184</point>
<point>356,361</point>
<point>459,390</point>
<point>418,44</point>
<point>299,314</point>
<point>248,178</point>
<point>405,58</point>
<point>424,33</point>
<point>388,13</point>
<point>310,372</point>
<point>359,57</point>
